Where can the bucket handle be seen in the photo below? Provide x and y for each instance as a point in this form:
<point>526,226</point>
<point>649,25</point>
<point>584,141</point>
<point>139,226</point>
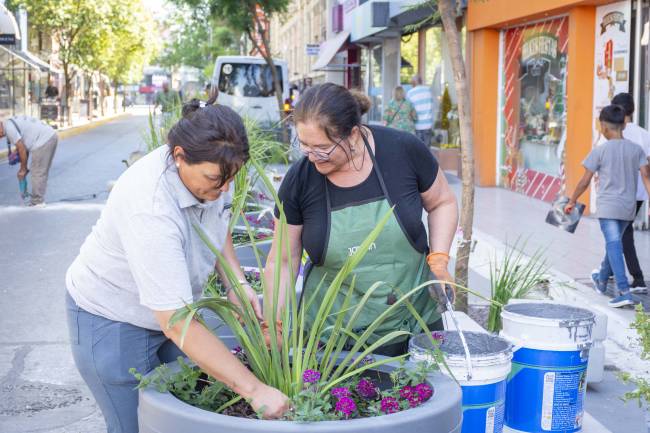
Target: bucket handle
<point>450,308</point>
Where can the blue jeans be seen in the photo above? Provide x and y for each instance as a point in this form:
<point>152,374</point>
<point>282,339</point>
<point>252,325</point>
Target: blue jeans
<point>613,262</point>
<point>104,351</point>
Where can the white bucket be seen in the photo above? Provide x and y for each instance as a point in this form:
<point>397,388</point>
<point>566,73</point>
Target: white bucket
<point>484,393</point>
<point>547,386</point>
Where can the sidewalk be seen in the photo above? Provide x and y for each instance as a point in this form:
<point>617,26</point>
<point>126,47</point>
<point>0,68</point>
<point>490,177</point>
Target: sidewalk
<point>502,217</point>
<point>79,127</point>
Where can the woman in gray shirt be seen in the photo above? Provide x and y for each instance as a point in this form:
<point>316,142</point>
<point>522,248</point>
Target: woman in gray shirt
<point>143,260</point>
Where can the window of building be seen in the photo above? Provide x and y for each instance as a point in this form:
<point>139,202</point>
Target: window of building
<point>533,111</point>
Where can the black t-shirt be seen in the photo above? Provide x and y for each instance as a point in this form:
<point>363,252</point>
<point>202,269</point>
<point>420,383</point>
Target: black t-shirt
<point>407,167</point>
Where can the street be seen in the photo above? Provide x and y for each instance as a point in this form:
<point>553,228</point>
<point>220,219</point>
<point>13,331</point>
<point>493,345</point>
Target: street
<point>40,390</point>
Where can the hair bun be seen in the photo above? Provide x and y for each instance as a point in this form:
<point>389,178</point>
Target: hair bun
<point>362,101</point>
<point>190,107</point>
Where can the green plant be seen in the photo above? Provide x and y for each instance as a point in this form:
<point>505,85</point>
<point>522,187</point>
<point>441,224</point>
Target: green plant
<point>642,392</point>
<point>513,278</point>
<point>304,346</point>
<point>445,108</point>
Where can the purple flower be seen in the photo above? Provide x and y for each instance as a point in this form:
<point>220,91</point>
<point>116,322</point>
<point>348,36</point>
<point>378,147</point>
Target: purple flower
<point>346,406</point>
<point>341,392</point>
<point>366,360</point>
<point>366,389</point>
<point>389,405</point>
<point>438,336</point>
<point>424,391</point>
<point>410,394</point>
<point>310,376</point>
<point>237,350</point>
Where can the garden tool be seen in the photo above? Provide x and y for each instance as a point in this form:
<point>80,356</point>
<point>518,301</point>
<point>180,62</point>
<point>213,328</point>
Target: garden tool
<point>443,296</point>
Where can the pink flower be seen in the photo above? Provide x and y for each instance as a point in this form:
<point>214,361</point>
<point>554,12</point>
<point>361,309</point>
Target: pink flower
<point>389,405</point>
<point>424,391</point>
<point>410,394</point>
<point>438,336</point>
<point>310,376</point>
<point>346,406</point>
<point>341,392</point>
<point>366,389</point>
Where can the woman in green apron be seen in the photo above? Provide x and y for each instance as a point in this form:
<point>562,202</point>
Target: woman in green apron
<point>349,179</point>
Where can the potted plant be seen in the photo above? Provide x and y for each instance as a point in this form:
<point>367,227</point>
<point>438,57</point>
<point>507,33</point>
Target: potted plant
<point>331,389</point>
<point>642,392</point>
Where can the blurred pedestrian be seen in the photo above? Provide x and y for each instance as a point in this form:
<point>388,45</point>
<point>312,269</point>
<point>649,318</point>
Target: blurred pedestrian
<point>640,136</point>
<point>399,113</point>
<point>422,99</point>
<point>35,139</point>
<point>617,163</point>
<point>167,99</point>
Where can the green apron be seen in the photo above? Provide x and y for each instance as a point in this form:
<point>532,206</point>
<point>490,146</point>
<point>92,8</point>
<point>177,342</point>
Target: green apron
<point>392,258</point>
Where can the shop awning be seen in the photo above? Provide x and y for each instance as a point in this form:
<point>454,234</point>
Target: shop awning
<point>328,50</point>
<point>29,59</point>
<point>9,32</point>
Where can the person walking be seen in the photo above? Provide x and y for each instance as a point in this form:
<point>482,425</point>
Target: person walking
<point>399,113</point>
<point>422,99</point>
<point>33,140</point>
<point>167,99</point>
<point>350,177</point>
<point>617,162</point>
<point>640,136</point>
<point>144,260</point>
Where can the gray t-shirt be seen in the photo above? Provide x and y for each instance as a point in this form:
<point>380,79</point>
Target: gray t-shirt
<point>617,163</point>
<point>143,253</point>
<point>33,132</point>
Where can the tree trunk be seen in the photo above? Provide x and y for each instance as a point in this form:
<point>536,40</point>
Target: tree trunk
<point>102,92</point>
<point>265,51</point>
<point>115,84</point>
<point>89,96</point>
<point>447,10</point>
<point>66,111</point>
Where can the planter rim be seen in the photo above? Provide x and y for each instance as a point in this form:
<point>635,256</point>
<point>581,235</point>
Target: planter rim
<point>446,395</point>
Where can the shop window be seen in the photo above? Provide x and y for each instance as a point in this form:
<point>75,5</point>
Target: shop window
<point>533,112</point>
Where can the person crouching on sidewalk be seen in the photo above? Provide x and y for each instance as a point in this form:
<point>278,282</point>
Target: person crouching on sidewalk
<point>617,162</point>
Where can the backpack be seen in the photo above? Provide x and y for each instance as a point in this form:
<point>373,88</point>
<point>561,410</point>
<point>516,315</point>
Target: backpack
<point>13,157</point>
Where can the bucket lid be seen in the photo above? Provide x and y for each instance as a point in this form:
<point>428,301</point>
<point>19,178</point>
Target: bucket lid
<point>550,311</point>
<point>481,345</point>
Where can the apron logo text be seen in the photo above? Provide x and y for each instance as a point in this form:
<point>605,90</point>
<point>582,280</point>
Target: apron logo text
<point>353,250</point>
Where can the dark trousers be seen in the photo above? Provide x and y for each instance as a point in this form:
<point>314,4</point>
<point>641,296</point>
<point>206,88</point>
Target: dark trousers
<point>629,250</point>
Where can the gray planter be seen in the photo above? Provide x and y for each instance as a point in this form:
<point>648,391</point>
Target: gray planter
<point>164,413</point>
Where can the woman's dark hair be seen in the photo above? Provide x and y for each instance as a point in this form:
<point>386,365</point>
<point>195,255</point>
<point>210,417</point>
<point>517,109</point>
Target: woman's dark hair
<point>211,133</point>
<point>336,109</point>
<point>626,101</point>
<point>613,114</point>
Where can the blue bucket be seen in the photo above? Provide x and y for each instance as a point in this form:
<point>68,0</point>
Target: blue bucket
<point>547,385</point>
<point>484,387</point>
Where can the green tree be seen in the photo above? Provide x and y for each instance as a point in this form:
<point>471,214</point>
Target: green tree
<point>74,24</point>
<point>243,17</point>
<point>445,108</point>
<point>199,39</point>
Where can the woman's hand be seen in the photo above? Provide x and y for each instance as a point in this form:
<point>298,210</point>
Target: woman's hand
<point>438,263</point>
<point>251,296</point>
<point>271,402</point>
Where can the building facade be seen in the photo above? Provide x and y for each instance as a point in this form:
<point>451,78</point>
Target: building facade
<point>541,70</point>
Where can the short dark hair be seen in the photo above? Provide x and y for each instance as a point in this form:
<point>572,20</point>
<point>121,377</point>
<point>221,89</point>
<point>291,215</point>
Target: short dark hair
<point>626,101</point>
<point>336,109</point>
<point>211,133</point>
<point>613,114</point>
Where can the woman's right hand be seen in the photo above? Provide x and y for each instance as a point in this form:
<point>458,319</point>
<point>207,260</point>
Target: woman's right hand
<point>273,403</point>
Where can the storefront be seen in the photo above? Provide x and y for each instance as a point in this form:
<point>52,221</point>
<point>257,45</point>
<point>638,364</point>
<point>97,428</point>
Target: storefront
<point>540,71</point>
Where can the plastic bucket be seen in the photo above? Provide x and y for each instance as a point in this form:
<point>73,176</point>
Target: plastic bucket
<point>484,393</point>
<point>547,386</point>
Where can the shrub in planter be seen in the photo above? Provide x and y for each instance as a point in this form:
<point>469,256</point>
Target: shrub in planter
<point>309,363</point>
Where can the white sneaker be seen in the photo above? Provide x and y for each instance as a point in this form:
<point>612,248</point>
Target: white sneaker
<point>36,205</point>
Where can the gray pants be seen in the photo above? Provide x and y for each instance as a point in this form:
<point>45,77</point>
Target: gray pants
<point>40,168</point>
<point>424,135</point>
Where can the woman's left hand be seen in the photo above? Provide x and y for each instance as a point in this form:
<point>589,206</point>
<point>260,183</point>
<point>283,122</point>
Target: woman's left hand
<point>438,263</point>
<point>251,296</point>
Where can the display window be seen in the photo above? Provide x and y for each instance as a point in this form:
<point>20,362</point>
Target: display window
<point>533,108</point>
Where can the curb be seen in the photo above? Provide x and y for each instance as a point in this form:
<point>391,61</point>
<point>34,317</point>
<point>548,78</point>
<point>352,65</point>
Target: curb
<point>71,131</point>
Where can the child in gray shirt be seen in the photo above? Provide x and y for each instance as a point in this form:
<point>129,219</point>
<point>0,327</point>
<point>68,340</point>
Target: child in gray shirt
<point>617,163</point>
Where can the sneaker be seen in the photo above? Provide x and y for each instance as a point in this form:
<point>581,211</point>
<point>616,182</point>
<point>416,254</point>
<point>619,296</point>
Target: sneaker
<point>623,300</point>
<point>36,205</point>
<point>638,286</point>
<point>599,286</point>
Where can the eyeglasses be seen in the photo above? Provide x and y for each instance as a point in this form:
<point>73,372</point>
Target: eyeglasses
<point>319,155</point>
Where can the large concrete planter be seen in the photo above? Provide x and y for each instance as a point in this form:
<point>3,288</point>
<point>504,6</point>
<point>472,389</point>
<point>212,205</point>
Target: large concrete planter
<point>448,159</point>
<point>164,413</point>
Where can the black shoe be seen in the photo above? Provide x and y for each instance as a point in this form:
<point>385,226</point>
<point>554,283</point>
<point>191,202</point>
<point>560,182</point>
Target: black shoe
<point>638,283</point>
